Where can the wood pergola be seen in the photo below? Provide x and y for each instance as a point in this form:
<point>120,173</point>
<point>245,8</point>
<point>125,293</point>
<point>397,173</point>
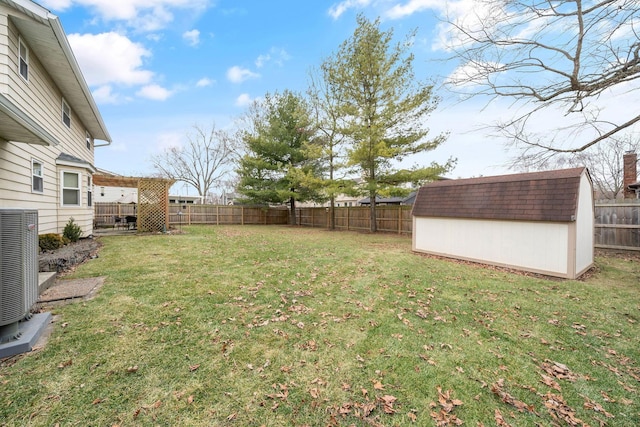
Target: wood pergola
<point>153,198</point>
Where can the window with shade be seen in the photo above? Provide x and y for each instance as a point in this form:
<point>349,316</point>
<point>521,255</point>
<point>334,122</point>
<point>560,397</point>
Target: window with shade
<point>66,114</point>
<point>23,60</point>
<point>37,180</point>
<point>70,189</point>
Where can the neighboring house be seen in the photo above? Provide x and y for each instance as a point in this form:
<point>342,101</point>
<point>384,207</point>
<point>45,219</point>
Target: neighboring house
<point>48,121</point>
<point>185,200</point>
<point>106,190</point>
<point>541,222</point>
<point>386,201</point>
<point>341,201</point>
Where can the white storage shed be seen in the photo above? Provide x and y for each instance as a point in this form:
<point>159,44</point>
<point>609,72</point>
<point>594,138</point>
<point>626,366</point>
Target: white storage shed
<point>541,222</point>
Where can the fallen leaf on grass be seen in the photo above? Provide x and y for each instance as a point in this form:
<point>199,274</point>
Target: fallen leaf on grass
<point>497,388</point>
<point>548,381</point>
<point>193,368</point>
<point>387,404</point>
<point>558,370</point>
<point>232,416</point>
<point>132,369</point>
<point>377,385</point>
<point>500,422</point>
<point>65,364</point>
<point>606,397</point>
<point>444,417</point>
<point>559,410</point>
<point>595,406</point>
<point>97,400</point>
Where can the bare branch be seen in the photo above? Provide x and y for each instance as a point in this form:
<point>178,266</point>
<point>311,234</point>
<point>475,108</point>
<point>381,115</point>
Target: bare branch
<point>547,55</point>
<point>205,159</point>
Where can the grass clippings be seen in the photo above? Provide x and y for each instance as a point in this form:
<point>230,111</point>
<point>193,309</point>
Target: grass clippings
<point>285,326</point>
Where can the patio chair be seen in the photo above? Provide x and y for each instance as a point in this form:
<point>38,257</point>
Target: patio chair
<point>131,221</point>
<point>118,222</point>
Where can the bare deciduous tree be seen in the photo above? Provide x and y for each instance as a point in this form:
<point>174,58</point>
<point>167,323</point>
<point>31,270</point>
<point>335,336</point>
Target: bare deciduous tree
<point>206,158</point>
<point>551,58</point>
<point>604,161</point>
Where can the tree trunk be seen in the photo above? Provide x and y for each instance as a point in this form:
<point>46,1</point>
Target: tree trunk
<point>332,214</point>
<point>292,214</point>
<point>372,212</point>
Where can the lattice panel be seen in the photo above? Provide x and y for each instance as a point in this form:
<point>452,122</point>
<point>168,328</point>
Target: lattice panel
<point>153,205</point>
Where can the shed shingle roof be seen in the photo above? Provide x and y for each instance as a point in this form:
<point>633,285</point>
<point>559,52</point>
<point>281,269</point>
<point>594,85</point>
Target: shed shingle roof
<point>537,196</point>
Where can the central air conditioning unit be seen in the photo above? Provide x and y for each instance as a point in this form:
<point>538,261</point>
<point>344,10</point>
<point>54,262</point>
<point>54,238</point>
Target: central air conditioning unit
<point>18,268</point>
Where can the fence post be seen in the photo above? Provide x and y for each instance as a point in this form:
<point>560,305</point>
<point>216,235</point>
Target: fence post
<point>242,214</point>
<point>217,215</point>
<point>348,219</point>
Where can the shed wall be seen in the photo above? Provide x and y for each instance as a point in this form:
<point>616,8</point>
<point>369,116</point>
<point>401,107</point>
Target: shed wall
<point>585,223</point>
<point>540,247</point>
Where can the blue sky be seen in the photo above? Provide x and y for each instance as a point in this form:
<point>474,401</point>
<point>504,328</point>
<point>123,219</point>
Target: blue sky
<point>157,67</point>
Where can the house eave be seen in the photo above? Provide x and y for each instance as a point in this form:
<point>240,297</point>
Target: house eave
<point>17,126</point>
<point>44,34</point>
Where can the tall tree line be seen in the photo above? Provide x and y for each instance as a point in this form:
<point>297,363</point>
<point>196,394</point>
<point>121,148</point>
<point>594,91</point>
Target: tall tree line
<point>364,114</point>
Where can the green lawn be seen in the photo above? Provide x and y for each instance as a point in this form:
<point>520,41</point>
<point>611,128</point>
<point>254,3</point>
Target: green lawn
<point>281,326</point>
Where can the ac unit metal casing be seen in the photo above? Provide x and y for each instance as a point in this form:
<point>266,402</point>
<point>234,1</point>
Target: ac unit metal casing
<point>18,263</point>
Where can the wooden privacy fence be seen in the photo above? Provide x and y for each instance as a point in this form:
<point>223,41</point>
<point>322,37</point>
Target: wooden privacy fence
<point>226,215</point>
<point>389,219</point>
<point>617,225</point>
<point>105,213</point>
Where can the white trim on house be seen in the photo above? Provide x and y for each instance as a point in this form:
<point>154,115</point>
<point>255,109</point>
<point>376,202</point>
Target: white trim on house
<point>66,114</point>
<point>23,59</point>
<point>37,176</point>
<point>65,187</point>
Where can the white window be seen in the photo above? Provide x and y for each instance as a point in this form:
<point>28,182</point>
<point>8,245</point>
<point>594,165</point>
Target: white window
<point>70,189</point>
<point>66,114</point>
<point>89,141</point>
<point>37,183</point>
<point>89,191</point>
<point>23,60</point>
<point>102,191</point>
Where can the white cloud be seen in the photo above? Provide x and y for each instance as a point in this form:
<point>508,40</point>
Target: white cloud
<point>413,6</point>
<point>337,10</point>
<point>192,37</point>
<point>104,95</point>
<point>110,58</point>
<point>169,140</point>
<point>204,82</point>
<point>276,55</point>
<point>56,4</point>
<point>243,100</point>
<point>154,92</point>
<point>145,15</point>
<point>238,74</point>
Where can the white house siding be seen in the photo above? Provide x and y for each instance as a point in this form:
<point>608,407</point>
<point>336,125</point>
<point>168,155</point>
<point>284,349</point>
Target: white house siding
<point>538,247</point>
<point>4,51</point>
<point>15,182</point>
<point>42,101</point>
<point>585,227</point>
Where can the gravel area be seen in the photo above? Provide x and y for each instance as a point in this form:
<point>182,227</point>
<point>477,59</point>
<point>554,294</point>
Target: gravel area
<point>67,257</point>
